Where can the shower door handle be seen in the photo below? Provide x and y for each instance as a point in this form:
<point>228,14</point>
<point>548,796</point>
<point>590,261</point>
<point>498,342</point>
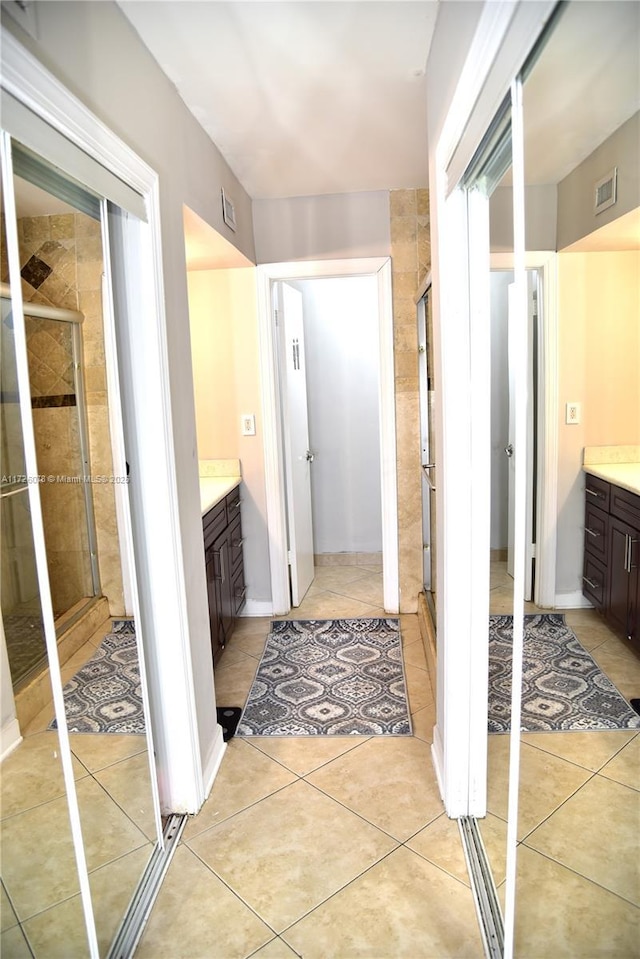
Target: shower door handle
<point>509,450</point>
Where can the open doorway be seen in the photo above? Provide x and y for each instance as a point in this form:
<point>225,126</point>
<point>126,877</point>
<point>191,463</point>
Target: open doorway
<point>381,340</point>
<point>329,373</point>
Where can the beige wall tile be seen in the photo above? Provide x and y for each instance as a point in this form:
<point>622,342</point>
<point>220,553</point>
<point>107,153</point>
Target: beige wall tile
<point>403,203</point>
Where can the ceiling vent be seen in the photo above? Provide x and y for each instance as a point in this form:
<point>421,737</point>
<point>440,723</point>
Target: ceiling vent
<point>606,191</point>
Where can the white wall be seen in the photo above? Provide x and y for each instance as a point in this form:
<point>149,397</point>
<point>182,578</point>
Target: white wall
<point>224,344</point>
<point>95,53</point>
<point>499,408</point>
<point>322,227</point>
<point>599,359</point>
<point>342,365</point>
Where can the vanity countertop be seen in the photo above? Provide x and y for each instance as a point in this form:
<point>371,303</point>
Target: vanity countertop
<point>217,478</point>
<point>215,488</point>
<point>619,465</point>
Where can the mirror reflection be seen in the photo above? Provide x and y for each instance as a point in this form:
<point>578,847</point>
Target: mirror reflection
<point>62,267</point>
<point>578,777</point>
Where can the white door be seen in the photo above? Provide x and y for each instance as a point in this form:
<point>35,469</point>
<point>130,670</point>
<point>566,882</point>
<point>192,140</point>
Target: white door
<point>532,332</point>
<point>298,457</point>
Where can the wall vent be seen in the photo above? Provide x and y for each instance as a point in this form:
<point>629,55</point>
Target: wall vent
<point>606,191</point>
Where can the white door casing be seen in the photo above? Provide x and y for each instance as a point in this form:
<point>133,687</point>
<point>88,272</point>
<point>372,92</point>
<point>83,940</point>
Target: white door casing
<point>295,430</point>
<point>267,277</point>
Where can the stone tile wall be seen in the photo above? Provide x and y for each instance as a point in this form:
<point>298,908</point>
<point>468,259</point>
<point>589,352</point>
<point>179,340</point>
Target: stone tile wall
<point>62,265</point>
<point>411,261</point>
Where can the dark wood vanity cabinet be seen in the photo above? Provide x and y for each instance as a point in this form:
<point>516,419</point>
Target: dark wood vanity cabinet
<point>611,579</point>
<point>222,530</point>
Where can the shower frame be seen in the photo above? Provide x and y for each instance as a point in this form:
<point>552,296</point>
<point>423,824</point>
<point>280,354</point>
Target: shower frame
<point>76,319</point>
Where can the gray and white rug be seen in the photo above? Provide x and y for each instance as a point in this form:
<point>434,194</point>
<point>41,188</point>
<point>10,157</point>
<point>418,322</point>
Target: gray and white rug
<point>563,688</point>
<point>105,695</point>
<point>330,677</point>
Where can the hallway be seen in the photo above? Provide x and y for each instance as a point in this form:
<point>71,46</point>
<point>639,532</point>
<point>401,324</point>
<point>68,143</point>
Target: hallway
<point>321,848</point>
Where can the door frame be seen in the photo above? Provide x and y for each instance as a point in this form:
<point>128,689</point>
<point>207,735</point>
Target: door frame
<point>267,275</point>
<point>545,262</point>
<point>161,580</point>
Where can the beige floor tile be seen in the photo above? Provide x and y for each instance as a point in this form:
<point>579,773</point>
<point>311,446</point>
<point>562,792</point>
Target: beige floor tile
<point>328,605</point>
<point>246,776</point>
<point>620,664</point>
<point>112,887</point>
<point>234,682</point>
<point>302,754</point>
<point>99,750</point>
<point>403,907</point>
<point>602,809</point>
<point>276,949</point>
<point>545,783</point>
<point>233,654</point>
<point>590,750</point>
<point>418,687</point>
<point>129,784</point>
<point>13,944</point>
<point>440,843</point>
<point>32,774</point>
<point>367,590</point>
<point>423,722</point>
<point>562,915</point>
<point>251,625</point>
<point>8,917</point>
<point>389,781</point>
<point>625,766</point>
<point>275,856</point>
<point>414,655</point>
<point>198,917</point>
<point>251,644</point>
<point>333,578</point>
<point>493,832</point>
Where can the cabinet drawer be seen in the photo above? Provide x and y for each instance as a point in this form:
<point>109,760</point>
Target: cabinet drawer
<point>235,544</point>
<point>213,522</point>
<point>626,506</point>
<point>597,492</point>
<point>233,504</point>
<point>594,581</point>
<point>239,590</point>
<point>596,532</point>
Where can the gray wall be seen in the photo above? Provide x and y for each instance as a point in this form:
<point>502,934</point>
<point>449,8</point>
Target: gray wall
<point>541,204</point>
<point>322,227</point>
<point>576,217</point>
<point>94,52</point>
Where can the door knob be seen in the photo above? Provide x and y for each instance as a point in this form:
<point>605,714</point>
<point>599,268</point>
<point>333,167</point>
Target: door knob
<point>310,456</point>
<point>509,450</point>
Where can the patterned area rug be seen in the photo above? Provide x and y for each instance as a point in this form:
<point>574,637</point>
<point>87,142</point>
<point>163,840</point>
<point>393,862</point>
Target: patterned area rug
<point>105,696</point>
<point>331,677</point>
<point>563,688</point>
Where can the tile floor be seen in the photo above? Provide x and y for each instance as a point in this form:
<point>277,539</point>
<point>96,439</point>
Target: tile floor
<point>341,849</point>
<point>40,908</point>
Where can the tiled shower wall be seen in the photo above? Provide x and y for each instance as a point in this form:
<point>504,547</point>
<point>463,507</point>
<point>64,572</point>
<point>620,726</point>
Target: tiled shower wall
<point>62,265</point>
<point>411,261</point>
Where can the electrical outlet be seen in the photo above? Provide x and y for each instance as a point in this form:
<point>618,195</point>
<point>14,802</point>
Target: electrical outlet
<point>248,424</point>
<point>572,414</point>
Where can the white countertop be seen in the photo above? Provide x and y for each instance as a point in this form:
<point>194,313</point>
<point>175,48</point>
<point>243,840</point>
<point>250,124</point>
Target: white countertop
<point>215,488</point>
<point>626,475</point>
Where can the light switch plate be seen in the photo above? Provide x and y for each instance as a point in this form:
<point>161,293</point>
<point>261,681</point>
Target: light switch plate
<point>573,412</point>
<point>248,424</point>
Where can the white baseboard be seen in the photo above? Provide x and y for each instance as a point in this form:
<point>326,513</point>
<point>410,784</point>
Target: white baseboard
<point>437,757</point>
<point>257,607</point>
<point>10,738</point>
<point>573,600</point>
<point>212,765</point>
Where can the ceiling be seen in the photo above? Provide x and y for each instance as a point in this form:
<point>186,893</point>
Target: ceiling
<point>301,98</point>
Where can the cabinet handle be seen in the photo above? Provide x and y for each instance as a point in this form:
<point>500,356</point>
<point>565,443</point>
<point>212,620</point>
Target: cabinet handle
<point>590,583</point>
<point>237,543</point>
<point>592,492</point>
<point>592,532</point>
<point>628,552</point>
<point>235,505</point>
<point>222,565</point>
<point>240,592</point>
<point>632,543</point>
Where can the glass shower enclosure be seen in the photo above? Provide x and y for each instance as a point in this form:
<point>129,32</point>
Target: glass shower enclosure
<point>54,351</point>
